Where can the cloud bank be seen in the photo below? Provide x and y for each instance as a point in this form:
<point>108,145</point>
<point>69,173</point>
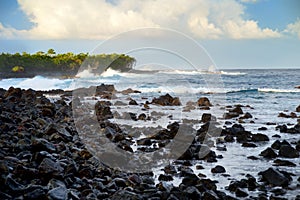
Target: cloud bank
<point>100,19</point>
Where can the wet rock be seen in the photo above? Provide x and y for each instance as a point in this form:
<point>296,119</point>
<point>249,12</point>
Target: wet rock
<point>237,110</point>
<point>229,138</point>
<point>249,145</point>
<point>288,151</point>
<point>144,141</point>
<point>102,109</point>
<point>142,116</point>
<point>129,91</point>
<point>103,89</point>
<point>230,115</point>
<point>206,117</point>
<point>253,158</point>
<point>190,180</point>
<point>251,182</point>
<point>120,103</point>
<point>291,115</point>
<point>293,130</point>
<point>170,169</point>
<point>192,193</point>
<point>4,168</point>
<point>49,166</point>
<point>210,195</point>
<point>246,116</point>
<point>132,102</point>
<point>37,193</point>
<point>135,179</point>
<point>259,137</point>
<point>204,101</point>
<point>240,193</point>
<point>243,137</point>
<point>298,109</point>
<point>58,193</point>
<point>166,100</point>
<point>13,93</point>
<point>13,185</point>
<point>218,169</point>
<point>268,153</point>
<point>124,194</point>
<point>5,196</point>
<point>274,177</point>
<point>277,144</point>
<point>279,162</point>
<point>40,144</point>
<point>262,128</point>
<point>163,177</point>
<point>168,133</point>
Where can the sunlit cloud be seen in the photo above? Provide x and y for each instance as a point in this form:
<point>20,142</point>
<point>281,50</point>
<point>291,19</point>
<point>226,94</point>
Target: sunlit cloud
<point>100,19</point>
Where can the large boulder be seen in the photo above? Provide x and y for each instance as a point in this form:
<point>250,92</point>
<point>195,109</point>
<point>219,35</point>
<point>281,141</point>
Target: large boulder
<point>288,151</point>
<point>274,177</point>
<point>166,100</point>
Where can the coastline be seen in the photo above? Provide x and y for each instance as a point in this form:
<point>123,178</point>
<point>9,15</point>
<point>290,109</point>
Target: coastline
<point>42,155</point>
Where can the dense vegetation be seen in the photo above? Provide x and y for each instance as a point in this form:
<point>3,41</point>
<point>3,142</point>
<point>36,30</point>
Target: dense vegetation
<point>66,64</point>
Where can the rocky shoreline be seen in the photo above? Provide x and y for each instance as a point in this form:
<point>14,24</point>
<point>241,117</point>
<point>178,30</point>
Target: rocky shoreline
<point>43,157</point>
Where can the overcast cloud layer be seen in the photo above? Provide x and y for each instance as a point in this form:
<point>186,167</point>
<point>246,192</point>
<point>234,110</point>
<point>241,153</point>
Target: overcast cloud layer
<point>99,19</point>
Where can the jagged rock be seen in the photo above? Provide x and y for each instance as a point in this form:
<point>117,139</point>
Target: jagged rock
<point>237,110</point>
<point>288,151</point>
<point>58,193</point>
<point>49,166</point>
<point>274,177</point>
<point>166,100</point>
<point>133,102</point>
<point>102,109</point>
<point>268,153</point>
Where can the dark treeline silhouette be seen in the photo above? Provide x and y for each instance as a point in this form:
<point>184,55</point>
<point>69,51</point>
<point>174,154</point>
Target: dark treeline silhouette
<point>63,65</point>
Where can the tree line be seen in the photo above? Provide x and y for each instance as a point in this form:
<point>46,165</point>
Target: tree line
<point>67,64</point>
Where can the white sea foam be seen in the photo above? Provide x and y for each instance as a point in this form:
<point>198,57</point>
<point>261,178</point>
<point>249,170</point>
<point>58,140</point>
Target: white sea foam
<point>232,73</point>
<point>199,72</point>
<point>278,90</point>
<point>85,74</point>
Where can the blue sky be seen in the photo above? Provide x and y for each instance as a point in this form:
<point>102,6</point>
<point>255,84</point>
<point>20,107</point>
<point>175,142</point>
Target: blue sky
<point>236,33</point>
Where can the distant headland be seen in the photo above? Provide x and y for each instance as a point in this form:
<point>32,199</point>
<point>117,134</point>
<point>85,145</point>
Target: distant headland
<point>65,65</point>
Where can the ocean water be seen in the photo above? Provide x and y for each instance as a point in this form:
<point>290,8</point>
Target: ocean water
<point>268,92</point>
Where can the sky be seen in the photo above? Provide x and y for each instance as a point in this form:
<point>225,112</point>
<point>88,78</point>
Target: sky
<point>234,33</point>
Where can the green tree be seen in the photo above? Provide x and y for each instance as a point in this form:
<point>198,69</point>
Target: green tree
<point>51,52</point>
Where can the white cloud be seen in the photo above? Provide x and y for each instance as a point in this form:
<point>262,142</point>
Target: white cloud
<point>294,28</point>
<point>249,1</point>
<point>99,19</point>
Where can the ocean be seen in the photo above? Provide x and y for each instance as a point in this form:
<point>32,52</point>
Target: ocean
<point>267,92</point>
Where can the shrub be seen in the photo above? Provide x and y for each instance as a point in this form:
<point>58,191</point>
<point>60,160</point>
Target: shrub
<point>17,69</point>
